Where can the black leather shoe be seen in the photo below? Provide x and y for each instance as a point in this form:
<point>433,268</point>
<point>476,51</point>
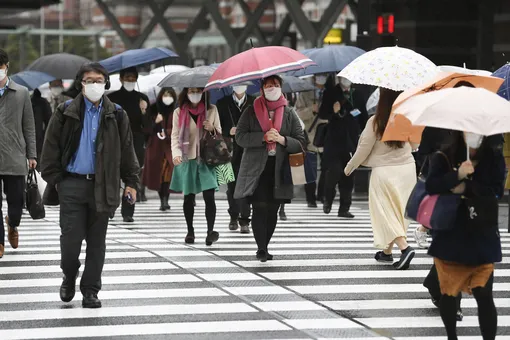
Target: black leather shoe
<point>345,214</point>
<point>212,237</point>
<point>262,255</point>
<point>326,208</point>
<point>128,219</point>
<point>68,289</point>
<point>312,205</point>
<point>90,300</point>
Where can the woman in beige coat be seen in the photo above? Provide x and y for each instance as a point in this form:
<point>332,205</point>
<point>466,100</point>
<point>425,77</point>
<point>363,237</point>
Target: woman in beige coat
<point>392,181</point>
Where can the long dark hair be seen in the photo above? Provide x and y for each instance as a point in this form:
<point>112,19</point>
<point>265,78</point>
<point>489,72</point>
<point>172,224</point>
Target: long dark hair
<point>455,147</point>
<point>183,97</point>
<point>382,115</point>
<point>162,108</point>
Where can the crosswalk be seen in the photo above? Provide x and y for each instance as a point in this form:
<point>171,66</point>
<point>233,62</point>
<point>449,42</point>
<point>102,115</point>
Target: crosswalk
<point>322,284</point>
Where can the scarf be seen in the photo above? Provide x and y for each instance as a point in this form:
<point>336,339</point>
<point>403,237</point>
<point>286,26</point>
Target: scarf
<point>261,107</point>
<point>184,132</point>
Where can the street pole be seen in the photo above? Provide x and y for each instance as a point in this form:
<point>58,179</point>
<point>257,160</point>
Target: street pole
<point>363,39</point>
<point>61,25</point>
<point>43,24</point>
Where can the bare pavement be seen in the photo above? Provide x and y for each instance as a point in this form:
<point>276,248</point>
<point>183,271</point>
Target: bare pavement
<point>322,284</point>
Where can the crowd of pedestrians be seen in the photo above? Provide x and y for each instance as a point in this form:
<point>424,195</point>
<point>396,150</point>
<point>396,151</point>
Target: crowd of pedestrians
<point>91,145</point>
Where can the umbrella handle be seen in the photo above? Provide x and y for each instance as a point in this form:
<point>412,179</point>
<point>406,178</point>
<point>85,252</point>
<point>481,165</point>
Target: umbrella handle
<point>161,135</point>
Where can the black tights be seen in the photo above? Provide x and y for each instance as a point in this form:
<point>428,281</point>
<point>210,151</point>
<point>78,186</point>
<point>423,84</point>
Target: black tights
<point>487,314</point>
<point>164,190</point>
<point>210,209</point>
<point>264,219</point>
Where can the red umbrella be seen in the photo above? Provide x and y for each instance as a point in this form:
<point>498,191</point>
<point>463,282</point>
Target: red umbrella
<point>257,63</point>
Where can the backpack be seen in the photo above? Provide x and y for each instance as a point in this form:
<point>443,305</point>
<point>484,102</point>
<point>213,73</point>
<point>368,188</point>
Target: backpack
<point>119,112</point>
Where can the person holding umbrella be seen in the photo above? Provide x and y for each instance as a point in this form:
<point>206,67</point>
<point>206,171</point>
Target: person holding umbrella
<point>268,131</point>
<point>57,95</point>
<point>230,109</point>
<point>158,167</point>
<point>191,120</point>
<point>135,103</point>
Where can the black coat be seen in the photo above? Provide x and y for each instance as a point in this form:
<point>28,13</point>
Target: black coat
<point>343,129</point>
<point>42,115</point>
<point>230,114</point>
<point>432,140</point>
<point>471,246</point>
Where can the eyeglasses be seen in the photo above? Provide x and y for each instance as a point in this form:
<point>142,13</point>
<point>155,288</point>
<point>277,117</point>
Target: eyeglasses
<point>93,81</point>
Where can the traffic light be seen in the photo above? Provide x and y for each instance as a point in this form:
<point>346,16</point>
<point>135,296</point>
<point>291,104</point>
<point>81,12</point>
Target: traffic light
<point>386,24</point>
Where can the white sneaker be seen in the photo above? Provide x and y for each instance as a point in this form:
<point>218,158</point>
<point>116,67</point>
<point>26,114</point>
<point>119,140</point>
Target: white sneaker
<point>421,238</point>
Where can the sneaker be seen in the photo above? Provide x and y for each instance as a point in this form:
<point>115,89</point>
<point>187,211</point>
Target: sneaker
<point>421,238</point>
<point>380,256</point>
<point>405,259</point>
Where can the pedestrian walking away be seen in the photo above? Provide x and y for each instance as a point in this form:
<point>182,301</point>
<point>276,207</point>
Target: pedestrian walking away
<point>191,175</point>
<point>88,150</point>
<point>230,109</point>
<point>392,181</point>
<point>136,105</point>
<point>158,166</point>
<point>17,144</point>
<point>268,131</point>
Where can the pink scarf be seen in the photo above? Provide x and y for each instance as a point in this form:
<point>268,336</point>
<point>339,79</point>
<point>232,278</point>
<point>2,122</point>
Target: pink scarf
<point>261,107</point>
<point>184,117</point>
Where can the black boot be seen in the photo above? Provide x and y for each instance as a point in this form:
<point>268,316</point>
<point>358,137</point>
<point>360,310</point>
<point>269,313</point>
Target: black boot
<point>141,197</point>
<point>283,216</point>
<point>164,203</point>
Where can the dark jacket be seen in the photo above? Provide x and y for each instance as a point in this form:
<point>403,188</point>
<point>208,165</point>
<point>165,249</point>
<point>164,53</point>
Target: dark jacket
<point>343,129</point>
<point>115,155</point>
<point>432,140</point>
<point>42,115</point>
<point>471,246</point>
<point>230,114</point>
<point>249,136</point>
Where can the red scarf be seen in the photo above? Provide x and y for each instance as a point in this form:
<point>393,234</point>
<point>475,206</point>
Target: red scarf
<point>261,107</point>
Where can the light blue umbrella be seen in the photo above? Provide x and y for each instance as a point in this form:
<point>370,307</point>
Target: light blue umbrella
<point>329,59</point>
<point>504,72</point>
<point>32,79</point>
<point>137,57</point>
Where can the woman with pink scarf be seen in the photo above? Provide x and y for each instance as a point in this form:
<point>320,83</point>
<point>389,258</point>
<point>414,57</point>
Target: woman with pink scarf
<point>191,175</point>
<point>268,131</point>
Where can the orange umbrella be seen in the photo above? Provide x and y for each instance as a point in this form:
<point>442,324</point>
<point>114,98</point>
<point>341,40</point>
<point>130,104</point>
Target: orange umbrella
<point>400,128</point>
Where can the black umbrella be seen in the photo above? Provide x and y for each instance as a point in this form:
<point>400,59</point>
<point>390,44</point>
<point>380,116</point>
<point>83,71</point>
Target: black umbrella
<point>194,77</point>
<point>294,84</point>
<point>59,65</point>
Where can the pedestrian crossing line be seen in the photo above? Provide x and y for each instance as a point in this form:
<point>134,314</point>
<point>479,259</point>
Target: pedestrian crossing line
<point>155,286</point>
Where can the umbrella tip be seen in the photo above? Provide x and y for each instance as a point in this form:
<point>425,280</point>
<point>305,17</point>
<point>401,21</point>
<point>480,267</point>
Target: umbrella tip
<point>251,42</point>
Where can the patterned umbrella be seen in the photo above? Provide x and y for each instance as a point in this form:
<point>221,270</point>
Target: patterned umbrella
<point>257,63</point>
<point>504,72</point>
<point>394,68</point>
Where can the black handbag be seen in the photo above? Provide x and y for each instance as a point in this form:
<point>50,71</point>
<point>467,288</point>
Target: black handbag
<point>33,197</point>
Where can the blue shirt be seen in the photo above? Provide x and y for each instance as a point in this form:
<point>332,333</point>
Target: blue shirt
<point>2,90</point>
<point>84,160</point>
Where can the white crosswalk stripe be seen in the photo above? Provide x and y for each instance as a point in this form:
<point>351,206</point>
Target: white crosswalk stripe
<point>322,284</point>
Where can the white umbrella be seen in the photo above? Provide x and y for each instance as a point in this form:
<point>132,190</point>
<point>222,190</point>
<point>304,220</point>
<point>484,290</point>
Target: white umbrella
<point>463,70</point>
<point>475,110</point>
<point>169,69</point>
<point>394,68</point>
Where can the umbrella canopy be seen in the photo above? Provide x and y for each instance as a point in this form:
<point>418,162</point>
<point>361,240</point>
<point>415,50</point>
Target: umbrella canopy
<point>394,68</point>
<point>136,57</point>
<point>329,59</point>
<point>194,77</point>
<point>294,84</point>
<point>467,109</point>
<point>32,79</point>
<point>504,73</point>
<point>372,101</point>
<point>169,69</point>
<point>403,131</point>
<point>59,65</point>
<point>256,64</point>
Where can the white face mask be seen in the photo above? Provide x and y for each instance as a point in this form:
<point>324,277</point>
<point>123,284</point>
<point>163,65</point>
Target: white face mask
<point>240,89</point>
<point>195,97</point>
<point>56,91</point>
<point>3,74</point>
<point>473,140</point>
<point>168,100</point>
<point>345,83</point>
<point>273,93</point>
<point>129,86</point>
<point>321,79</point>
<point>94,92</point>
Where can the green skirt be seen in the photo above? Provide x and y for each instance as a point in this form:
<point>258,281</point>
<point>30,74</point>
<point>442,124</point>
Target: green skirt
<point>192,177</point>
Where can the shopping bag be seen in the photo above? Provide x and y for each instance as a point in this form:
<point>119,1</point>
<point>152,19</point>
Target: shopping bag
<point>33,197</point>
<point>41,183</point>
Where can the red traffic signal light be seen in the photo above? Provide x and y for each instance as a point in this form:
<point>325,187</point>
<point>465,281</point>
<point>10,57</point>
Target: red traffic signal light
<point>386,24</point>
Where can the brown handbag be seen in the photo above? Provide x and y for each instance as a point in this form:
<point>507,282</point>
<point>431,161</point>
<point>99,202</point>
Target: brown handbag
<point>297,159</point>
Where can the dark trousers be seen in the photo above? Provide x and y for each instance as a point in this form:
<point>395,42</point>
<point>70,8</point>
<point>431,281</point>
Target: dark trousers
<point>238,209</point>
<point>79,220</point>
<point>128,209</point>
<point>210,210</point>
<point>263,223</point>
<point>335,176</point>
<point>14,188</point>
